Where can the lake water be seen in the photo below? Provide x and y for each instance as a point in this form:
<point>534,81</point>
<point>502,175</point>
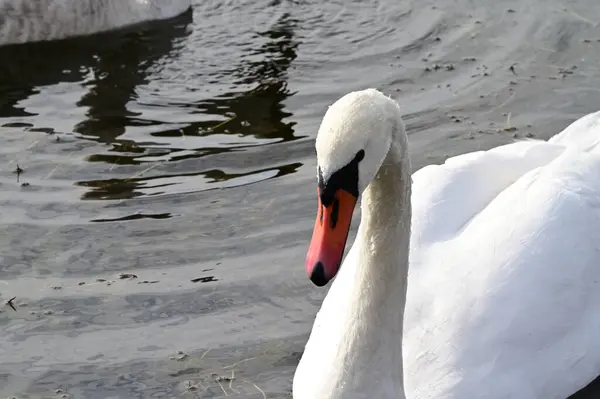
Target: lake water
<point>155,235</point>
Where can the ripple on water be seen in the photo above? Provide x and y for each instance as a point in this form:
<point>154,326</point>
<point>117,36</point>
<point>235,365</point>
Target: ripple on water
<point>181,153</point>
<point>152,105</point>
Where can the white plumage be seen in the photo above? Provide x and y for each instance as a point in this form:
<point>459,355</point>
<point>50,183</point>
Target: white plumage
<point>503,297</point>
<point>23,21</point>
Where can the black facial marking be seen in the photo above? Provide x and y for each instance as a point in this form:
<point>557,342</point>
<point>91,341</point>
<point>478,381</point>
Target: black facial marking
<point>345,178</point>
<point>321,211</point>
<point>335,213</point>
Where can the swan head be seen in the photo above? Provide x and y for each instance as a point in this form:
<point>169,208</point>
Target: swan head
<point>352,143</point>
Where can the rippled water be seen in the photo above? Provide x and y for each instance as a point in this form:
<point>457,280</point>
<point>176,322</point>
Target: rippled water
<point>154,236</point>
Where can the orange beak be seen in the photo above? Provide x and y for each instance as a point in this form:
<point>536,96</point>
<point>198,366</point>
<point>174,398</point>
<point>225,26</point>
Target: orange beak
<point>329,237</point>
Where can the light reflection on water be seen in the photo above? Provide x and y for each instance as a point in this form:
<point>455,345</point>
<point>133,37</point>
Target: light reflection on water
<point>108,94</point>
<point>182,154</point>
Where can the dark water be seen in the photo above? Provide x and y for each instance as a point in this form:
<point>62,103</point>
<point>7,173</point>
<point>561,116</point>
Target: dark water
<point>182,153</point>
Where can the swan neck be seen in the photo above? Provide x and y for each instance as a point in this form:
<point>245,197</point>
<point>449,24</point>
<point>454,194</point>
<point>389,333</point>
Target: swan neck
<point>386,208</point>
<point>385,220</point>
<point>381,275</point>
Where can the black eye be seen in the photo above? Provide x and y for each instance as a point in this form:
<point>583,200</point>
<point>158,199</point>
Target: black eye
<point>335,213</point>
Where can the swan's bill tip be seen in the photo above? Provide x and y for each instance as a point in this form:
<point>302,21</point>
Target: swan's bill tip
<point>317,275</point>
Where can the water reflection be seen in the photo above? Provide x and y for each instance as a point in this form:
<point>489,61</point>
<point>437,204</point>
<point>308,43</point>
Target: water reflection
<point>136,216</point>
<point>110,64</point>
<point>113,75</point>
<point>188,182</point>
<point>116,76</point>
<point>228,122</point>
<point>258,112</point>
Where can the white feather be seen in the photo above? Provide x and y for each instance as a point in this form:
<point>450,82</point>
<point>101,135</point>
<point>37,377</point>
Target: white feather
<point>23,21</point>
<point>503,297</point>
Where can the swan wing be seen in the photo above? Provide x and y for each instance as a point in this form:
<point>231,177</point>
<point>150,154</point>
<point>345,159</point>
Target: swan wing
<point>445,197</point>
<point>583,134</point>
<point>504,289</point>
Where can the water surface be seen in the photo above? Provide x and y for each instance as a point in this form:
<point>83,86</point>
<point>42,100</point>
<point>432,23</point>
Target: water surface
<point>155,234</point>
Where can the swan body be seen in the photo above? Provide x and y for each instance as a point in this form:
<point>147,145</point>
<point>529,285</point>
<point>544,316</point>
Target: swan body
<point>23,21</point>
<point>503,291</point>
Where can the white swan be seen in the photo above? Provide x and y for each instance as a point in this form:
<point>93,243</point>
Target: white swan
<point>503,299</point>
<point>24,21</point>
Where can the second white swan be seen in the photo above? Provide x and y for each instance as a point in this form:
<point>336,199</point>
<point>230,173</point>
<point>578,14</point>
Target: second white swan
<point>23,21</point>
<point>503,294</point>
